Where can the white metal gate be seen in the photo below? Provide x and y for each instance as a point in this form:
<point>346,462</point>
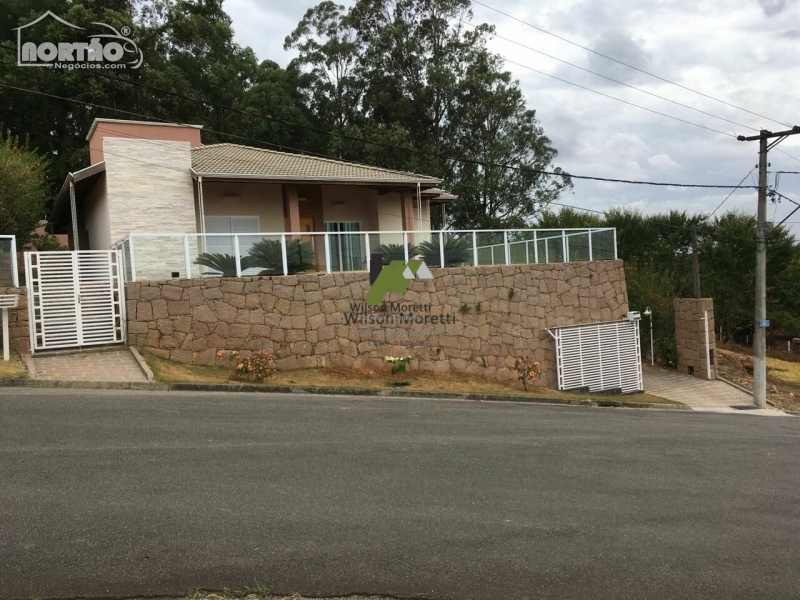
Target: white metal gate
<point>75,298</point>
<point>599,356</point>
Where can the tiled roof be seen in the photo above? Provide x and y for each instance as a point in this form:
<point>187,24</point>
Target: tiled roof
<point>234,160</point>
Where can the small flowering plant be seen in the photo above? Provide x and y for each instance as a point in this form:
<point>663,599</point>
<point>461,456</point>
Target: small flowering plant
<point>399,363</point>
<point>257,367</point>
<point>527,370</point>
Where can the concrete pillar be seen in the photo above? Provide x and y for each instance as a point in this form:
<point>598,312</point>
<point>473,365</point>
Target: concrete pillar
<point>292,207</point>
<point>407,202</point>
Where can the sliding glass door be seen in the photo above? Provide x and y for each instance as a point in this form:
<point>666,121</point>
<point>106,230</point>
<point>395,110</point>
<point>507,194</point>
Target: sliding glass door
<point>346,246</point>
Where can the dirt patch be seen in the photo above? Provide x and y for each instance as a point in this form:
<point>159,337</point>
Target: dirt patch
<point>13,369</point>
<point>783,377</point>
<point>448,383</point>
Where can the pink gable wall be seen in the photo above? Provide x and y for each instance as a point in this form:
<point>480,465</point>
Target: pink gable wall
<point>134,130</point>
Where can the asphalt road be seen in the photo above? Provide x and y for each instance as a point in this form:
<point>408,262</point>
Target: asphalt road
<point>120,494</point>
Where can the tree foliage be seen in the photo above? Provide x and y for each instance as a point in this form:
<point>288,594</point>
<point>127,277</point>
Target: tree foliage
<point>408,74</point>
<point>23,188</point>
<point>404,73</point>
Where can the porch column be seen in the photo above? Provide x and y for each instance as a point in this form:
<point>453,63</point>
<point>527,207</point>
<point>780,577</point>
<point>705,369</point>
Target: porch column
<point>292,207</point>
<point>407,204</point>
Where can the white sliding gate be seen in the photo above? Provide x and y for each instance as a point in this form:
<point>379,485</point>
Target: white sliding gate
<point>599,356</point>
<point>75,298</point>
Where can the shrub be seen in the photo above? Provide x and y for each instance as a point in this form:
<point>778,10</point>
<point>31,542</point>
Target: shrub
<point>46,243</point>
<point>392,252</point>
<point>257,367</point>
<point>457,251</point>
<point>399,363</point>
<point>527,370</point>
<point>267,255</point>
<point>223,263</point>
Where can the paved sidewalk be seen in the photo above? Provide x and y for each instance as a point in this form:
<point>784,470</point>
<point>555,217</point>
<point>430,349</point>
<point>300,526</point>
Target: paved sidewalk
<point>89,365</point>
<point>701,394</point>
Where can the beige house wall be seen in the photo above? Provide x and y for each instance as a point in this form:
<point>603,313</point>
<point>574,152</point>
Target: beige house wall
<point>325,203</point>
<point>390,218</point>
<point>97,217</point>
<point>245,198</point>
<point>350,203</point>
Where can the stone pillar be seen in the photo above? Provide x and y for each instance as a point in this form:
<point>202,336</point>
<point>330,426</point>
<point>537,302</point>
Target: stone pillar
<point>17,321</point>
<point>690,336</point>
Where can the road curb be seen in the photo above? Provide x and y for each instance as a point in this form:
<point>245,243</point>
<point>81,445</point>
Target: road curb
<point>743,389</point>
<point>142,364</point>
<point>603,402</point>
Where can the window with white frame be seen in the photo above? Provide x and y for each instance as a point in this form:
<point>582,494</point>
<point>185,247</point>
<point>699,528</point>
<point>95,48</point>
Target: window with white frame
<point>223,244</point>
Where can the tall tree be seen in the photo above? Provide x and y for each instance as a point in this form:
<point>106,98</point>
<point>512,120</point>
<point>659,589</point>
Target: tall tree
<point>491,124</point>
<point>329,48</point>
<point>424,82</point>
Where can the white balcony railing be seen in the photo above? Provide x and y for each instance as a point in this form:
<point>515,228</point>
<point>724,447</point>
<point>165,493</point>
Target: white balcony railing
<point>9,275</point>
<point>149,256</point>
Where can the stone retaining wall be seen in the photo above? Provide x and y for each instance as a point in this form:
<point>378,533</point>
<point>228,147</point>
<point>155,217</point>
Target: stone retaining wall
<point>479,318</point>
<point>18,320</point>
<point>690,336</point>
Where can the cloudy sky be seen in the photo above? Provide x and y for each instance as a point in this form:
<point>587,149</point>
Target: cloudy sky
<point>743,52</point>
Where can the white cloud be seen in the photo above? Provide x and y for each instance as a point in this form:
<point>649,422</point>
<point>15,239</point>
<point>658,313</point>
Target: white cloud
<point>742,52</point>
<point>662,162</point>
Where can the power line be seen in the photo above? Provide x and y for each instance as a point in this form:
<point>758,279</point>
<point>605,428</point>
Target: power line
<point>164,143</point>
<point>662,223</point>
<point>605,212</point>
<point>777,193</point>
<point>671,225</point>
<point>633,87</point>
<point>731,194</point>
<point>247,162</point>
<point>392,146</point>
<point>588,89</point>
<point>607,57</point>
<point>782,151</point>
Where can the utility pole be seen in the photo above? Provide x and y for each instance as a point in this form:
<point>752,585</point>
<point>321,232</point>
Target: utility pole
<point>759,328</point>
<point>760,332</point>
<point>695,264</point>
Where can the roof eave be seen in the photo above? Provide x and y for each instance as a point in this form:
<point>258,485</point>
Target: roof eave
<point>375,180</point>
<point>74,177</point>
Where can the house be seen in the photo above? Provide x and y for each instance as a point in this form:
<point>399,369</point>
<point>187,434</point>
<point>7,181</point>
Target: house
<point>293,238</point>
<point>159,178</point>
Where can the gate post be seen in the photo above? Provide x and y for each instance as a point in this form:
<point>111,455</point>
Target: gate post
<point>696,348</point>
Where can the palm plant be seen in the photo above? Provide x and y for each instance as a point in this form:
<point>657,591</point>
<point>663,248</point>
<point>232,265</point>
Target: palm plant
<point>457,251</point>
<point>268,256</point>
<point>222,263</point>
<point>392,252</point>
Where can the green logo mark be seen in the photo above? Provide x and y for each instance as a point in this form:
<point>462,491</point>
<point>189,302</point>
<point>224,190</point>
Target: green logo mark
<point>395,277</point>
